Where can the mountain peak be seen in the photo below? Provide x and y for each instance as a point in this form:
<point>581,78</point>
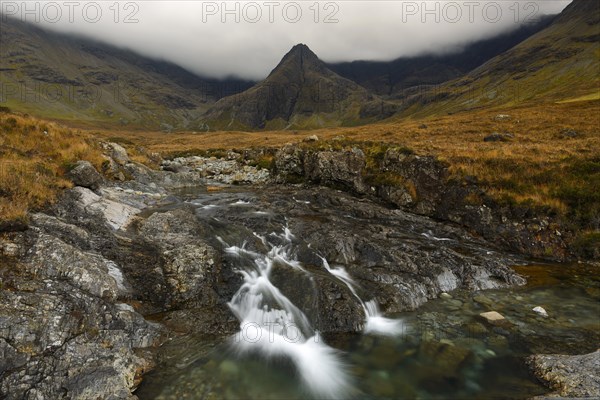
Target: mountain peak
<point>300,58</point>
<point>300,91</point>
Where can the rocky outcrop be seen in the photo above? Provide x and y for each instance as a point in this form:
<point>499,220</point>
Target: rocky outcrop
<point>214,170</point>
<point>344,168</point>
<point>190,266</point>
<point>401,260</point>
<point>569,376</point>
<point>423,185</point>
<point>66,330</point>
<point>76,285</point>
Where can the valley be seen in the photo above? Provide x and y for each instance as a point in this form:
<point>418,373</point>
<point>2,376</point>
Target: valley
<point>423,227</point>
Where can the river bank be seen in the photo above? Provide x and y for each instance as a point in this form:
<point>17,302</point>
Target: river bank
<point>116,268</point>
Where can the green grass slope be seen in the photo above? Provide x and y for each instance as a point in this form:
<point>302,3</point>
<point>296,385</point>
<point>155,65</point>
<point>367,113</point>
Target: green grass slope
<point>68,78</point>
<point>560,63</point>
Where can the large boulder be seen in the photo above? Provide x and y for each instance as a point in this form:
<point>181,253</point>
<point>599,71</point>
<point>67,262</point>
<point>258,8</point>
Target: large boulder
<point>118,153</point>
<point>569,376</point>
<point>84,174</point>
<point>190,271</point>
<point>191,266</point>
<point>337,168</point>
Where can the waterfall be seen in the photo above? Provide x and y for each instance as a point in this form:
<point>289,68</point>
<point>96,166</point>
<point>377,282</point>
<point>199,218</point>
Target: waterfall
<point>271,325</point>
<point>375,322</point>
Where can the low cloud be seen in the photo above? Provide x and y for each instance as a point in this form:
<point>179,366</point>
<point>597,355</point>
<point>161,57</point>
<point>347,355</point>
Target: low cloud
<point>247,39</point>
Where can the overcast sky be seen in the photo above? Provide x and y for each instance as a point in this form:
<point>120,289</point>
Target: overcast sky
<point>202,37</point>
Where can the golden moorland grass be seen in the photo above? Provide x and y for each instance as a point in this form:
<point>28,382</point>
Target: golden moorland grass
<point>552,159</point>
<point>34,157</point>
<point>544,164</point>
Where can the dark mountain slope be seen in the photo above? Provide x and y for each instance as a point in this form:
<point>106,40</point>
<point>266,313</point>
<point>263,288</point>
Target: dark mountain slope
<point>300,92</point>
<point>386,78</point>
<point>65,77</point>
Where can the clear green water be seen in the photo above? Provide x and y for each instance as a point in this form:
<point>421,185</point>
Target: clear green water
<point>447,351</point>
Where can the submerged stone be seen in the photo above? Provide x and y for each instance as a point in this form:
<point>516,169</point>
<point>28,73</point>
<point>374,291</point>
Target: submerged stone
<point>493,317</point>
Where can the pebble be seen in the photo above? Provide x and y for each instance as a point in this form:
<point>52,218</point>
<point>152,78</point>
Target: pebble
<point>493,317</point>
<point>456,303</point>
<point>228,367</point>
<point>445,295</point>
<point>540,311</point>
<point>490,352</point>
<point>481,299</point>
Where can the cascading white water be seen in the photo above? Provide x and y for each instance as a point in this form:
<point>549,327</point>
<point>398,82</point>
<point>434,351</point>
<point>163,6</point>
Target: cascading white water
<point>375,322</point>
<point>273,326</point>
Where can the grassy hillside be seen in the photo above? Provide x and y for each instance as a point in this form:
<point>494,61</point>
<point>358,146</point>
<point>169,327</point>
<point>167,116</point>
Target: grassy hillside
<point>87,83</point>
<point>34,157</point>
<point>560,63</point>
<point>550,161</point>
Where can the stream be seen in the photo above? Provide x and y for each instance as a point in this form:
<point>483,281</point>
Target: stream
<point>286,245</point>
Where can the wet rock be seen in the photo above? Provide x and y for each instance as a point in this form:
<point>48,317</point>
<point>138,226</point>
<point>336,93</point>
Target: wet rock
<point>172,228</point>
<point>475,329</point>
<point>84,174</point>
<point>449,359</point>
<point>427,189</point>
<point>190,270</point>
<point>324,299</point>
<point>381,386</point>
<point>498,342</point>
<point>190,266</point>
<point>540,311</point>
<point>493,318</point>
<point>569,376</point>
<point>207,320</point>
<point>483,300</point>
